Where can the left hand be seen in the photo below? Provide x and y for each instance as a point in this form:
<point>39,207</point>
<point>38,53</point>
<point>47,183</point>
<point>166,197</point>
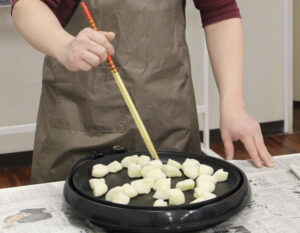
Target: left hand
<point>237,124</point>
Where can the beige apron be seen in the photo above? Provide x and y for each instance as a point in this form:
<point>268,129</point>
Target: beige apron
<point>82,112</point>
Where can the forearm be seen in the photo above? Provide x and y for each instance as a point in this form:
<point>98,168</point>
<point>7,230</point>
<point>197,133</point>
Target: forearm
<point>226,51</point>
<point>40,27</point>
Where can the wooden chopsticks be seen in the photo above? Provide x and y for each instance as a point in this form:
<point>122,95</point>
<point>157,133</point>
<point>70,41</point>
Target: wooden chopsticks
<point>138,121</point>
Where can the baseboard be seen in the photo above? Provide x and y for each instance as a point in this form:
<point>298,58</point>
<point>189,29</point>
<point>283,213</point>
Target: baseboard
<point>297,104</point>
<point>20,159</point>
<point>268,129</point>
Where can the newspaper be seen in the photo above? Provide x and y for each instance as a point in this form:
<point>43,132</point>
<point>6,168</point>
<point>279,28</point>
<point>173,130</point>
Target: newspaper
<point>275,205</point>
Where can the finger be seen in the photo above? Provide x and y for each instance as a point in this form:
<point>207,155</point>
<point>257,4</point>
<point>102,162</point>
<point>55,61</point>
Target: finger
<point>82,65</point>
<point>251,149</point>
<point>101,39</point>
<point>90,58</point>
<point>98,50</point>
<point>265,156</point>
<point>109,35</point>
<point>228,145</point>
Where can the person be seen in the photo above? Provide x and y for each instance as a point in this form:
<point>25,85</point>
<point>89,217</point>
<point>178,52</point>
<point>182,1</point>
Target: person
<point>29,215</point>
<point>81,109</point>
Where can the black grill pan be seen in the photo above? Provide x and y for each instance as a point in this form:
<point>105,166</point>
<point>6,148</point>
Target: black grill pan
<point>232,196</point>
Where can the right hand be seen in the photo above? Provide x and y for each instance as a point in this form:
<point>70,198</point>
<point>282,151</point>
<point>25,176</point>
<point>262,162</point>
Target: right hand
<point>87,50</point>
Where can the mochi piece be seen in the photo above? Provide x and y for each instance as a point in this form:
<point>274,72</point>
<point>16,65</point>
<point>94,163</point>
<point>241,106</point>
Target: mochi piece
<point>186,185</point>
<point>150,181</point>
<point>205,170</point>
<point>221,175</point>
<point>174,163</point>
<point>208,178</point>
<point>162,193</point>
<point>110,194</point>
<point>171,171</point>
<point>134,170</point>
<point>176,197</point>
<point>160,203</point>
<point>191,171</point>
<point>99,189</point>
<point>129,159</point>
<point>144,160</point>
<point>200,199</point>
<point>95,180</point>
<point>191,162</point>
<point>141,186</point>
<point>120,198</point>
<point>155,173</point>
<point>114,167</point>
<point>128,190</point>
<point>156,163</point>
<point>206,185</point>
<point>99,170</point>
<point>162,182</point>
<point>198,192</point>
<point>207,195</point>
<point>146,169</point>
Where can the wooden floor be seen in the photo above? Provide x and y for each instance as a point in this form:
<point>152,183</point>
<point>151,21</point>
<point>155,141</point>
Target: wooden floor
<point>277,145</point>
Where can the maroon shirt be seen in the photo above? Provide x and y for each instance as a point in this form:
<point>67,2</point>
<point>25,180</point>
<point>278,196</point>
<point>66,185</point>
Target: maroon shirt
<point>212,11</point>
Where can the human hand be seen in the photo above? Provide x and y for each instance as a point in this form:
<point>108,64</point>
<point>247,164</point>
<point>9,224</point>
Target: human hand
<point>237,124</point>
<point>87,50</point>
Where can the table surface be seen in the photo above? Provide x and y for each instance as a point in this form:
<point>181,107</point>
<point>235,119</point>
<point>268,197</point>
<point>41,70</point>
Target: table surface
<point>276,201</point>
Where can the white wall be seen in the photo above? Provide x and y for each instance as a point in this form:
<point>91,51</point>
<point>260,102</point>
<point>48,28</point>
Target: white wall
<point>297,50</point>
<point>264,69</point>
<point>20,84</point>
<point>20,69</point>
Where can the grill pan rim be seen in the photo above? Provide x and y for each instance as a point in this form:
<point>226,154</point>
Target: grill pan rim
<point>151,208</point>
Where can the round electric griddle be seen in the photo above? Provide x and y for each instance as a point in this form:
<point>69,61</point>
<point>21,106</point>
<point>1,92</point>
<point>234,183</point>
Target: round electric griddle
<point>140,215</point>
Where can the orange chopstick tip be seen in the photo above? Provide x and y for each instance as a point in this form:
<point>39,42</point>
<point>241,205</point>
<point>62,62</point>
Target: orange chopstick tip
<point>86,11</point>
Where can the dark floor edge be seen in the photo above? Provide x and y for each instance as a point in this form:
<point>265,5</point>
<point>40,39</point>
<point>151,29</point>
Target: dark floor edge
<point>268,129</point>
<point>17,159</point>
<point>20,159</point>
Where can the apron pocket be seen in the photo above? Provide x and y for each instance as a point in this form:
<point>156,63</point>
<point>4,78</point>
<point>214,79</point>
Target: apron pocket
<point>88,101</point>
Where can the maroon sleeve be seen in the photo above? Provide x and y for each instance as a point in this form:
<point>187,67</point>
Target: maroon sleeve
<point>63,9</point>
<point>213,11</point>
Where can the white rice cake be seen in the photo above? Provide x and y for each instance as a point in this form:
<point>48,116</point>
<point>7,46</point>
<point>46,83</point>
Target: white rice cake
<point>134,170</point>
<point>99,170</point>
<point>95,180</point>
<point>155,173</point>
<point>212,179</point>
<point>221,175</point>
<point>174,163</point>
<point>141,186</point>
<point>191,171</point>
<point>207,195</point>
<point>191,162</point>
<point>200,199</point>
<point>129,159</point>
<point>160,203</point>
<point>205,170</point>
<point>144,160</point>
<point>171,171</point>
<point>176,197</point>
<point>162,182</point>
<point>162,193</point>
<point>186,185</point>
<point>156,163</point>
<point>110,194</point>
<point>114,167</point>
<point>206,185</point>
<point>150,181</point>
<point>120,198</point>
<point>128,190</point>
